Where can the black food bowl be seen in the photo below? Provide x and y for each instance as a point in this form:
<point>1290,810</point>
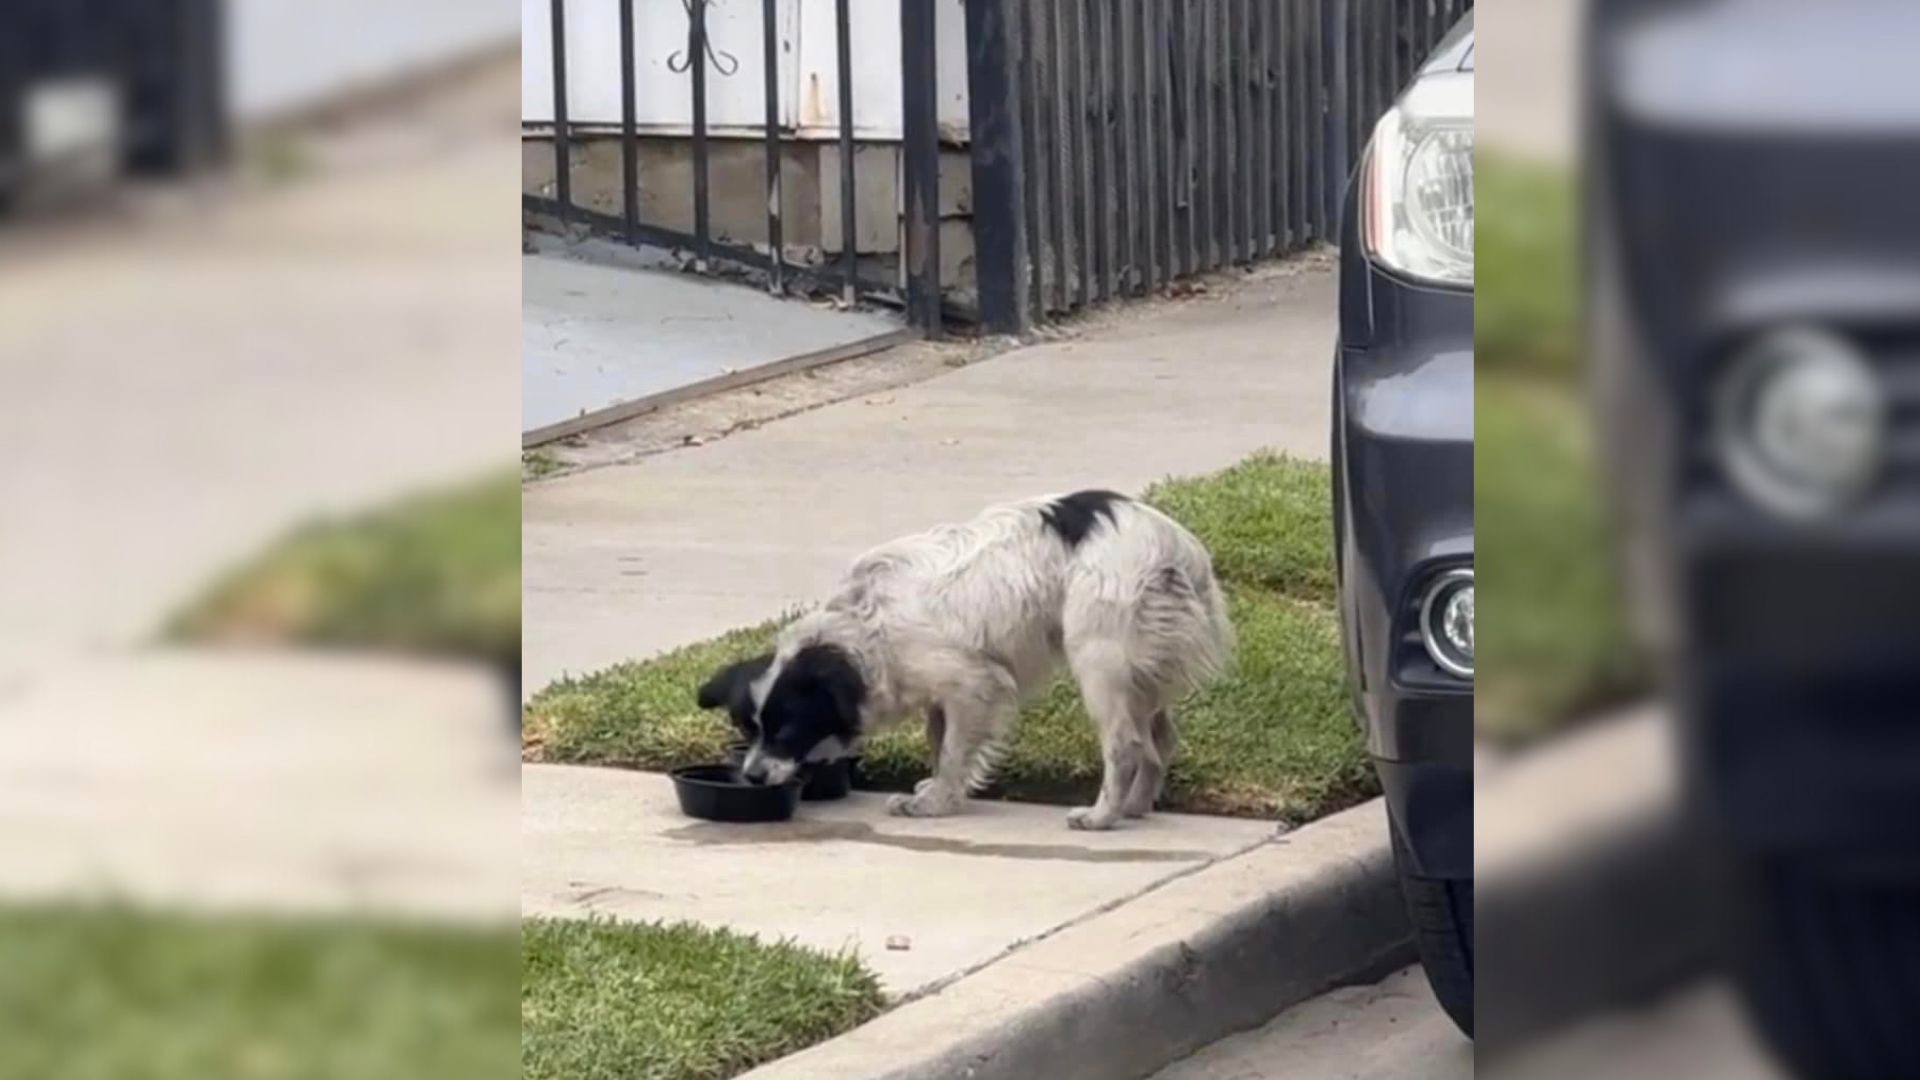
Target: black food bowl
<point>714,793</point>
<point>819,782</point>
<point>828,780</point>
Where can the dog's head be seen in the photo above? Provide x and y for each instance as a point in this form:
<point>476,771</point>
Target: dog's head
<point>804,708</point>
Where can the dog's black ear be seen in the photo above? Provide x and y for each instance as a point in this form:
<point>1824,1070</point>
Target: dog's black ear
<point>831,673</point>
<point>732,681</point>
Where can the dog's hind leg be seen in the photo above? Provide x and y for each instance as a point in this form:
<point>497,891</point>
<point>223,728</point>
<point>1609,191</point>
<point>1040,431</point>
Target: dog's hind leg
<point>1173,637</point>
<point>1123,716</point>
<point>1153,769</point>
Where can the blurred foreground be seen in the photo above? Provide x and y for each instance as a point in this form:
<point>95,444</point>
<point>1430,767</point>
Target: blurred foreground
<point>276,859</point>
<point>1696,471</point>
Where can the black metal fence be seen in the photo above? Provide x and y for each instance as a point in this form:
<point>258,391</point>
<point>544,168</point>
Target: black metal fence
<point>1383,42</point>
<point>1116,145</point>
<point>1121,144</point>
<point>162,60</point>
<point>695,56</point>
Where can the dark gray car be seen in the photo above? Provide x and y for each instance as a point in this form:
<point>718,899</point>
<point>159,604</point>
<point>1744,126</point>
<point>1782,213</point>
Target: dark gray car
<point>1403,493</point>
<point>1753,275</point>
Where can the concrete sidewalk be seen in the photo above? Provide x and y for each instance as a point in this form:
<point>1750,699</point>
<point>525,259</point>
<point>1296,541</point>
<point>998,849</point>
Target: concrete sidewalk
<point>921,900</point>
<point>184,385</point>
<point>179,392</point>
<point>261,781</point>
<point>627,561</point>
<point>1131,987</point>
<point>1526,100</point>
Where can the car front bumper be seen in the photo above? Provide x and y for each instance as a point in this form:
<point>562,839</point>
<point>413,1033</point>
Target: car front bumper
<point>1403,468</point>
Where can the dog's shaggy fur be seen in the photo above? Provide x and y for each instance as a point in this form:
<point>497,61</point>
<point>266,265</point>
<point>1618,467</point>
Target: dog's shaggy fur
<point>965,621</point>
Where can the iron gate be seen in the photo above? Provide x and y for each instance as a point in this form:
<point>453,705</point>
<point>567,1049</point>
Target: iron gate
<point>917,289</point>
<point>1121,144</point>
<point>1116,145</point>
<point>163,60</point>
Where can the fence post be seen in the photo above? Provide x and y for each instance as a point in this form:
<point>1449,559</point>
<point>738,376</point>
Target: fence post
<point>199,120</point>
<point>13,135</point>
<point>562,152</point>
<point>999,213</point>
<point>849,233</point>
<point>1339,102</point>
<point>770,58</point>
<point>629,130</point>
<point>920,162</point>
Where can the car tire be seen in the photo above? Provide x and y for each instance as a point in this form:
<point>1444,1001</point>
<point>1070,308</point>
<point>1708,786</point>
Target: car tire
<point>1824,963</point>
<point>1441,911</point>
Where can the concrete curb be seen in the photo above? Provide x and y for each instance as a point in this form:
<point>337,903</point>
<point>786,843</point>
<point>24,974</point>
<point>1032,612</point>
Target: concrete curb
<point>1130,989</point>
<point>1585,867</point>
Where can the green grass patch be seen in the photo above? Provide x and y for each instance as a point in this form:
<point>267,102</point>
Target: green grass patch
<point>539,464</point>
<point>1274,738</point>
<point>604,1001</point>
<point>1526,290</point>
<point>437,574</point>
<point>1558,644</point>
<point>114,992</point>
<point>1267,521</point>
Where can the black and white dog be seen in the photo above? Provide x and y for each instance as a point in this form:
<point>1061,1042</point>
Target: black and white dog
<point>962,622</point>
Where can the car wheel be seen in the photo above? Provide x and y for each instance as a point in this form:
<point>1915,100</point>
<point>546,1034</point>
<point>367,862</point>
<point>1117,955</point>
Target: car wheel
<point>1824,962</point>
<point>1441,910</point>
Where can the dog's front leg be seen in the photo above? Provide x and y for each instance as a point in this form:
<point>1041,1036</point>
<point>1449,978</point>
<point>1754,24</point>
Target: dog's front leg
<point>958,730</point>
<point>936,736</point>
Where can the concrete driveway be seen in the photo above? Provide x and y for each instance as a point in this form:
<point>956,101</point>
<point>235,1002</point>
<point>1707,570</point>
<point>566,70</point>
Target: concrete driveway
<point>1392,1029</point>
<point>603,325</point>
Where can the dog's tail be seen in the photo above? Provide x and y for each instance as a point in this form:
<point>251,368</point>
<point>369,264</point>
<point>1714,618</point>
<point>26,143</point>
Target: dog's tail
<point>1149,583</point>
<point>1184,635</point>
<point>1181,638</point>
<point>1219,622</point>
<point>1208,652</point>
<point>1203,643</point>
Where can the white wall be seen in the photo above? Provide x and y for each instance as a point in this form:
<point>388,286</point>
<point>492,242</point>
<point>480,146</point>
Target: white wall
<point>289,54</point>
<point>808,69</point>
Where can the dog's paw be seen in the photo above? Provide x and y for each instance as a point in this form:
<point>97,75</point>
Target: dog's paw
<point>924,802</point>
<point>1085,818</point>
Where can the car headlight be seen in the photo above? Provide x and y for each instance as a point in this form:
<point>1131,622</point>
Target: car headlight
<point>1446,622</point>
<point>1417,183</point>
<point>1800,422</point>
